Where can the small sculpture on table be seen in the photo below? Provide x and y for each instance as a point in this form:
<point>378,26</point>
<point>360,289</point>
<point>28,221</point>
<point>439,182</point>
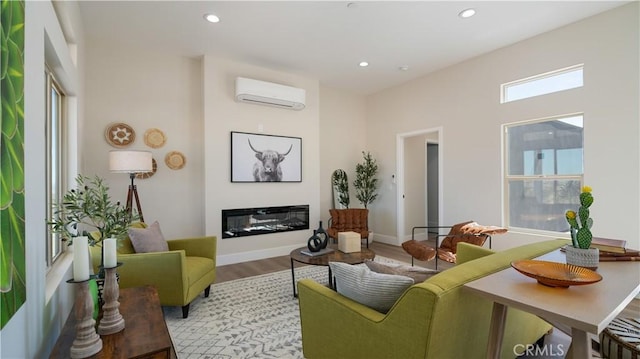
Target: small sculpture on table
<point>87,341</point>
<point>112,321</point>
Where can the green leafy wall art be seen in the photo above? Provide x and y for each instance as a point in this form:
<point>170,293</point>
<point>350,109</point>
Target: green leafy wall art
<point>13,291</point>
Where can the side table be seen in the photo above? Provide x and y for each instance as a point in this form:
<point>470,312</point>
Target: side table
<point>145,334</point>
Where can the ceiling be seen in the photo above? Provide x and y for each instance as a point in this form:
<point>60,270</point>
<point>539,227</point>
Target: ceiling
<point>328,39</point>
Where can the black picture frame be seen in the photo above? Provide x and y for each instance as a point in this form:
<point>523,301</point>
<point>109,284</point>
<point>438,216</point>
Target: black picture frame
<point>281,158</point>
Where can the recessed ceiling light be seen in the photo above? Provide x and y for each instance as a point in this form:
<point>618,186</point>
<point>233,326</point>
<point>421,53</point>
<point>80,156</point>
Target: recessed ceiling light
<point>403,68</point>
<point>211,18</point>
<point>363,64</point>
<point>467,13</point>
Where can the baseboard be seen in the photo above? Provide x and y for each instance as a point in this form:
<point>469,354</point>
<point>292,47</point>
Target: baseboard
<point>233,258</point>
<point>242,257</point>
<point>385,239</point>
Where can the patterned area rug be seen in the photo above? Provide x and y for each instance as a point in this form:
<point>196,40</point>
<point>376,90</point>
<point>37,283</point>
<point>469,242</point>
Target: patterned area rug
<point>255,317</point>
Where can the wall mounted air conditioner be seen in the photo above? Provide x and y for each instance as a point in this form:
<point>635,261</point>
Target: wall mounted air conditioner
<point>270,94</point>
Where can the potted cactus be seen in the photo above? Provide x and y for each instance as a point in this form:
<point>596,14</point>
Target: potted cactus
<point>579,252</point>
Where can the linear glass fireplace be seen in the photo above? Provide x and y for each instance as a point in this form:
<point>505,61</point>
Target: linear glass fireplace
<point>254,221</point>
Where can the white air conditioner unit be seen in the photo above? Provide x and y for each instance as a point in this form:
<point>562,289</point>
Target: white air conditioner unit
<point>270,94</point>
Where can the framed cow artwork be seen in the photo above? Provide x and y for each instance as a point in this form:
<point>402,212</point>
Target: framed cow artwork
<point>265,158</point>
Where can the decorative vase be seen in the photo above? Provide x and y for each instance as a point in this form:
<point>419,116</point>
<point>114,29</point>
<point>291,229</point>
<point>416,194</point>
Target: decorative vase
<point>324,237</point>
<point>587,258</point>
<point>314,243</point>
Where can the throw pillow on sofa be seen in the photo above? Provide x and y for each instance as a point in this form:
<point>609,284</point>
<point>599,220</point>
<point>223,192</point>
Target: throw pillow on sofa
<point>375,290</point>
<point>418,274</point>
<point>150,239</point>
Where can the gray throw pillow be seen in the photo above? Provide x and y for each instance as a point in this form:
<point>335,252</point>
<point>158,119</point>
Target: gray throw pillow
<point>375,290</point>
<point>148,239</point>
<point>418,274</point>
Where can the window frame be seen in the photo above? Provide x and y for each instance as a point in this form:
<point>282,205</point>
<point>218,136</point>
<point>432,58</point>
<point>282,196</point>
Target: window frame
<point>54,160</point>
<point>507,177</point>
<point>505,86</point>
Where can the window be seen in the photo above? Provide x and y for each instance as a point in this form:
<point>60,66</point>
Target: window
<point>55,159</point>
<point>543,84</point>
<point>544,172</point>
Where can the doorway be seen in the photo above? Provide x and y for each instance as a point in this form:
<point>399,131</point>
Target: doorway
<point>419,181</point>
<point>432,218</point>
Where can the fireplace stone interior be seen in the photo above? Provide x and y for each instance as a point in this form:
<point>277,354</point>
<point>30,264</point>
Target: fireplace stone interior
<point>264,220</point>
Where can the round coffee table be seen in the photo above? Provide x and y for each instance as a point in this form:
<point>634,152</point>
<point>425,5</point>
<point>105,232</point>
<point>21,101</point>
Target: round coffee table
<point>323,260</point>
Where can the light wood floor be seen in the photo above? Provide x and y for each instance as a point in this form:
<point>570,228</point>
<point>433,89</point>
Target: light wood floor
<point>275,264</point>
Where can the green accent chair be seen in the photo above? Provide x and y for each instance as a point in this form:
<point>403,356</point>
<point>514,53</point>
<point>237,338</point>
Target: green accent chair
<point>437,318</point>
<point>180,274</point>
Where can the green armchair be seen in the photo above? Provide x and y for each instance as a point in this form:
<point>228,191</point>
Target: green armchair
<point>437,318</point>
<point>179,274</point>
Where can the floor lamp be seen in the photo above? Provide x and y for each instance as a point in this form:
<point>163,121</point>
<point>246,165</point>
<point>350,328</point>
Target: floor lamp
<point>131,162</point>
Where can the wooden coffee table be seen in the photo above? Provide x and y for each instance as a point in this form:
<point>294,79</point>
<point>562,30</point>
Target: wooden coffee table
<point>323,260</point>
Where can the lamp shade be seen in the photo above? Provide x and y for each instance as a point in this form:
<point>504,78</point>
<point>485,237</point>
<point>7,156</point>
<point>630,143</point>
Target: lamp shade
<point>130,161</point>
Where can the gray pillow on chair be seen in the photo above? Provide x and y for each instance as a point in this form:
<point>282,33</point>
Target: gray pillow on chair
<point>148,239</point>
<point>418,274</point>
<point>375,290</point>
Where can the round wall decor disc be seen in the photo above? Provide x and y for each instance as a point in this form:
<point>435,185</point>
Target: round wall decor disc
<point>119,134</point>
<point>145,175</point>
<point>154,138</point>
<point>175,160</point>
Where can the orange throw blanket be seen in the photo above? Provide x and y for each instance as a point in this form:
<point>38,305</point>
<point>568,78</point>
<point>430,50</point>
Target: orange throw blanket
<point>470,232</point>
<point>475,228</point>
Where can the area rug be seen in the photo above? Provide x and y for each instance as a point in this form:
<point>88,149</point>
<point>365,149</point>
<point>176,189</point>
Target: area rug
<point>254,317</point>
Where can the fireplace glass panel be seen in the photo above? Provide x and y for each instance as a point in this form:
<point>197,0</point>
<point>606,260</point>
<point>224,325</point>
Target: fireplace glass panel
<point>255,221</point>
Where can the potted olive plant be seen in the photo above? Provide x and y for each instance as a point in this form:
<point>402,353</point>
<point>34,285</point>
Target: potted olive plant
<point>366,183</point>
<point>88,211</point>
<point>341,185</point>
<point>579,252</point>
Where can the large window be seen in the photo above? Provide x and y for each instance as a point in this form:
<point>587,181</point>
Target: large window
<point>544,170</point>
<point>55,159</point>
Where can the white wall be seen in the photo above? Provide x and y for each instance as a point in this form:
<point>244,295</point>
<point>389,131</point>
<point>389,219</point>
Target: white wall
<point>342,140</point>
<point>223,115</point>
<point>149,90</point>
<point>464,100</point>
<point>32,331</point>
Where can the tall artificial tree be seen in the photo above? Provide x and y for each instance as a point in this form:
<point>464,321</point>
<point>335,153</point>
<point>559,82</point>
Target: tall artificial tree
<point>341,184</point>
<point>366,183</point>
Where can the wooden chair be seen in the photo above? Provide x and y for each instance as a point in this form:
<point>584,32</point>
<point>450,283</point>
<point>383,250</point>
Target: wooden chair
<point>349,220</point>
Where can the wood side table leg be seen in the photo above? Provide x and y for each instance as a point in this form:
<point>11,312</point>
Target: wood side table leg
<point>496,330</point>
<point>580,344</point>
<point>293,280</point>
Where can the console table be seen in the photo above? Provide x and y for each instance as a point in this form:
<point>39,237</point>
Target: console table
<point>585,308</point>
<point>145,334</point>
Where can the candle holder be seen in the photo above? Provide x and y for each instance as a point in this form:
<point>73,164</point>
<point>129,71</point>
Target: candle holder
<point>87,341</point>
<point>112,321</point>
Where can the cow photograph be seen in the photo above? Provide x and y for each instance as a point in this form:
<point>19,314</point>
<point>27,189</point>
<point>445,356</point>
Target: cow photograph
<point>265,158</point>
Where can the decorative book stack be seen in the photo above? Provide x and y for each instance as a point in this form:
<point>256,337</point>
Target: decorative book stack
<point>612,250</point>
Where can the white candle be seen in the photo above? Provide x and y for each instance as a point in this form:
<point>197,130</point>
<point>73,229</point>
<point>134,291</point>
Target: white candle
<point>80,259</point>
<point>109,252</point>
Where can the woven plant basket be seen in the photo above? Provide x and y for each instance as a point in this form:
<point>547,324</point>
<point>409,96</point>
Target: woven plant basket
<point>587,258</point>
